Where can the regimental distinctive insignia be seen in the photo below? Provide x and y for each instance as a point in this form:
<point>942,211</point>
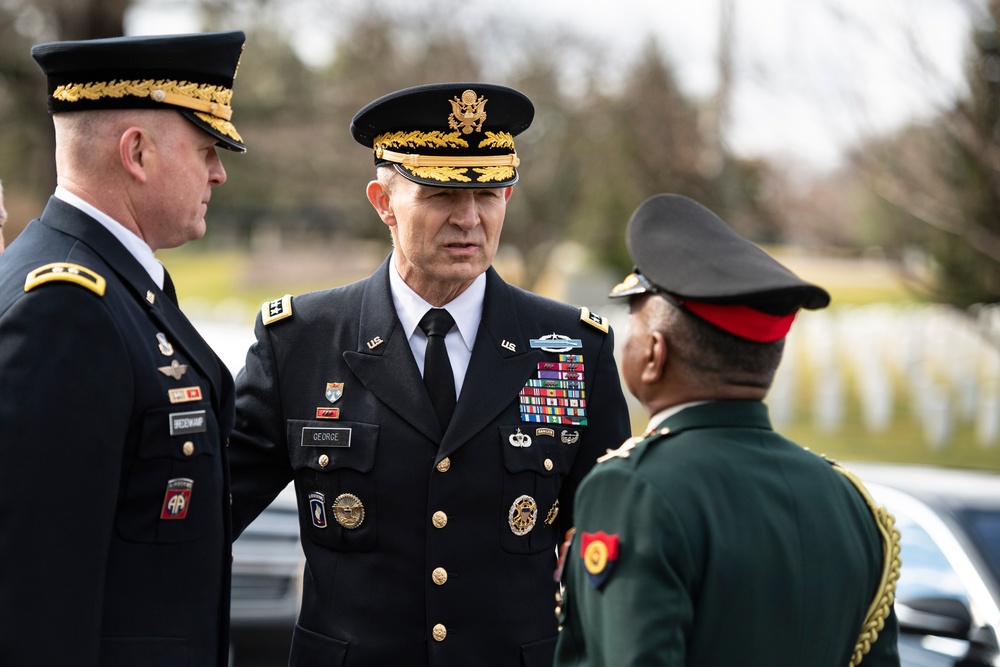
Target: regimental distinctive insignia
<point>327,413</point>
<point>175,370</point>
<point>520,439</point>
<point>348,510</point>
<point>467,113</point>
<point>166,349</point>
<point>334,390</point>
<point>554,342</point>
<point>276,310</point>
<point>556,394</point>
<point>66,272</point>
<point>184,394</point>
<point>522,515</point>
<point>599,552</point>
<point>593,320</point>
<point>317,509</point>
<point>177,499</point>
<point>569,437</point>
<point>550,518</point>
<point>544,431</point>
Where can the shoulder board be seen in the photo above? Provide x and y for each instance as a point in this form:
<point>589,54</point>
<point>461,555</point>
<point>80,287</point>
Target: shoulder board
<point>279,309</point>
<point>593,320</point>
<point>625,450</point>
<point>884,596</point>
<point>66,272</point>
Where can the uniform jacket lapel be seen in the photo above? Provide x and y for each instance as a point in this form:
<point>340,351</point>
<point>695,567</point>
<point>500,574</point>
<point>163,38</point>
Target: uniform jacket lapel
<point>384,362</point>
<point>501,364</point>
<point>179,330</point>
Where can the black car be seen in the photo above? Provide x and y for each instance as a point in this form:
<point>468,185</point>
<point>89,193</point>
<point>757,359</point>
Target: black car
<point>948,594</point>
<point>267,585</point>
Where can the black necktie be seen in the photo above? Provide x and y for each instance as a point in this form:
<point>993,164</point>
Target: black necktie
<point>168,287</point>
<point>437,368</point>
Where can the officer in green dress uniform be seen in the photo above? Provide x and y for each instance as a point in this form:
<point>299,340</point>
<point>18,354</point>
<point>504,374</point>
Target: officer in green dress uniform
<point>711,540</point>
<point>434,468</point>
<point>114,412</point>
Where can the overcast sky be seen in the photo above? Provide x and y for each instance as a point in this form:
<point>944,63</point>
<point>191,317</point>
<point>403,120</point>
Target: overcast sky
<point>810,76</point>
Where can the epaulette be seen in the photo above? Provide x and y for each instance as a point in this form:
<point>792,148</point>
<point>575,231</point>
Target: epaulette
<point>626,448</point>
<point>66,272</point>
<point>885,594</point>
<point>279,309</point>
<point>596,321</point>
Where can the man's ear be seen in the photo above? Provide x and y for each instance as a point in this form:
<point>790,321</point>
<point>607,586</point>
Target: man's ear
<point>654,358</point>
<point>133,148</point>
<point>381,202</point>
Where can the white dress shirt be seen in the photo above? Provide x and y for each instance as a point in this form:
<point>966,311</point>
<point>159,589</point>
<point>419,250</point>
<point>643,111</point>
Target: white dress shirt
<point>466,309</point>
<point>135,245</point>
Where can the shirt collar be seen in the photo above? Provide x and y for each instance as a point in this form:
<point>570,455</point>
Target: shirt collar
<point>663,415</point>
<point>466,309</point>
<point>135,245</point>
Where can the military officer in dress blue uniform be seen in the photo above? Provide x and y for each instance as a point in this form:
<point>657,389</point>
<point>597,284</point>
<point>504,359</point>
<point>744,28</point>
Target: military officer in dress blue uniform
<point>114,489</point>
<point>434,463</point>
<point>711,540</point>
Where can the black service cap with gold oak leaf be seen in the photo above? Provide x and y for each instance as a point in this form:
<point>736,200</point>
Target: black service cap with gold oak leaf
<point>688,254</point>
<point>458,135</point>
<point>191,73</point>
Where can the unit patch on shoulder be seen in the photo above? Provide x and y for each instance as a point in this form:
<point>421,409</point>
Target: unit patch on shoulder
<point>593,320</point>
<point>279,309</point>
<point>66,272</point>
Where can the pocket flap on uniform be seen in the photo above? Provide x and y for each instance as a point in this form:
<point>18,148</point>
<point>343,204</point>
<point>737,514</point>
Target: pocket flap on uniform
<point>325,447</point>
<point>526,448</point>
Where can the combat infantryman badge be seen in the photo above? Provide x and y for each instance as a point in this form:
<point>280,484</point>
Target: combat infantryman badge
<point>177,499</point>
<point>599,552</point>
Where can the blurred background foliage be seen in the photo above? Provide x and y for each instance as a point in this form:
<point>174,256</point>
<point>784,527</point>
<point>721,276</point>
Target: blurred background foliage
<point>922,199</point>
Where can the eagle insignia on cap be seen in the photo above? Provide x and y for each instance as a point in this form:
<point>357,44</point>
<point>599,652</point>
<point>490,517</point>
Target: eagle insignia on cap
<point>469,113</point>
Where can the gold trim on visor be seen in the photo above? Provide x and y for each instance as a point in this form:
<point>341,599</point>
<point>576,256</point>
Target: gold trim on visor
<point>211,100</point>
<point>412,160</point>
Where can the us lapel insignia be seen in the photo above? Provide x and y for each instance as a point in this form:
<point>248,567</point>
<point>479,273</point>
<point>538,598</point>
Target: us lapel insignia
<point>177,499</point>
<point>599,552</point>
<point>150,297</point>
<point>375,342</point>
<point>507,345</point>
<point>334,390</point>
<point>175,370</point>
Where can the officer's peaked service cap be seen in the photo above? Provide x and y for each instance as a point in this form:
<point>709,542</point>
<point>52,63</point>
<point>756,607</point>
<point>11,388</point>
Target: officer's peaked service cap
<point>191,73</point>
<point>447,134</point>
<point>686,253</point>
